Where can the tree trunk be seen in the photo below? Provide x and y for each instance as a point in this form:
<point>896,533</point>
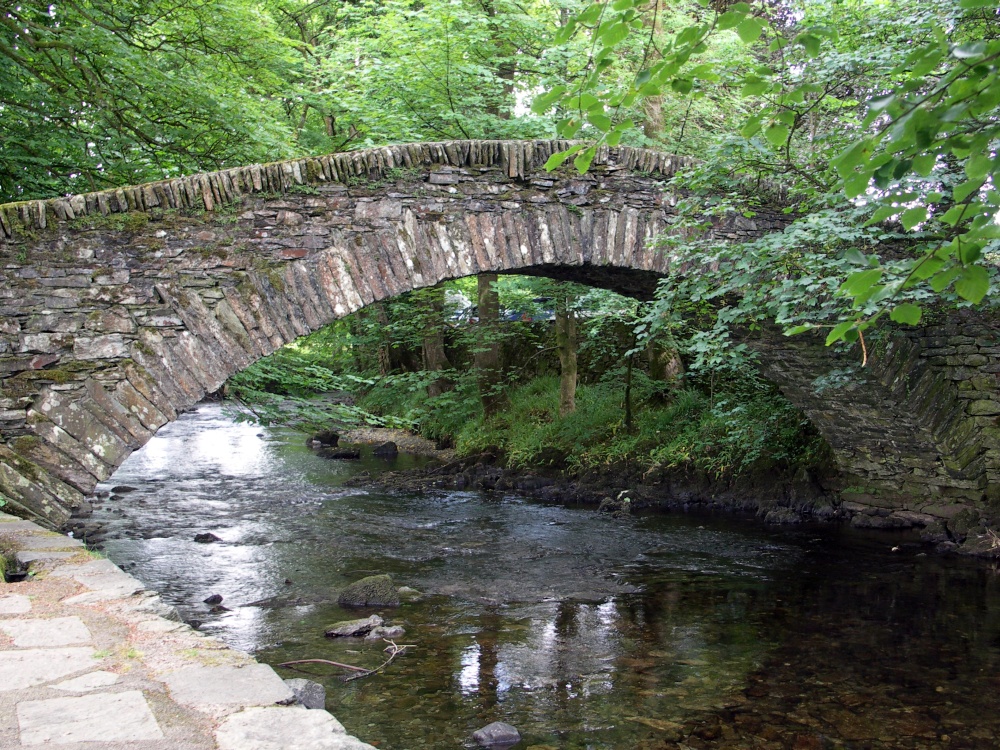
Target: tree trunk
<point>665,364</point>
<point>435,359</point>
<point>488,347</point>
<point>566,343</point>
<point>384,355</point>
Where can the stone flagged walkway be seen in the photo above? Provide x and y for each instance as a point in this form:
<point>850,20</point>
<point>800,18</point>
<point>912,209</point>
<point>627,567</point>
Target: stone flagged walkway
<point>90,660</point>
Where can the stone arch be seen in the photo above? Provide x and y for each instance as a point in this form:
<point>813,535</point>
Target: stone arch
<point>122,308</point>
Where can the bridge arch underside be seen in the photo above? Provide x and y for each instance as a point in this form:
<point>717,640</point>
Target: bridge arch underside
<point>114,322</point>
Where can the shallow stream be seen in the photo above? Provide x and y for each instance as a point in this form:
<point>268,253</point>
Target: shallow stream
<point>581,630</point>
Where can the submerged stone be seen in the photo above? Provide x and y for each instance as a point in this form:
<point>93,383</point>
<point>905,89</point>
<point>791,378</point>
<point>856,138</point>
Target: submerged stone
<point>342,454</point>
<point>386,450</point>
<point>308,693</point>
<point>353,628</point>
<point>497,734</point>
<point>325,438</point>
<point>373,591</point>
<point>387,632</point>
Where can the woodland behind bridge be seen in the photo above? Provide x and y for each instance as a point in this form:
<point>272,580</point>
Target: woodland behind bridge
<point>878,119</point>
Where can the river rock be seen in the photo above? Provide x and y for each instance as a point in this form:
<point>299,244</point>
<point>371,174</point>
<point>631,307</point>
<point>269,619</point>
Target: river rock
<point>308,693</point>
<point>327,438</point>
<point>353,628</point>
<point>214,599</point>
<point>408,594</point>
<point>342,454</point>
<point>207,538</point>
<point>386,450</point>
<point>389,632</point>
<point>782,516</point>
<point>497,734</point>
<point>373,591</point>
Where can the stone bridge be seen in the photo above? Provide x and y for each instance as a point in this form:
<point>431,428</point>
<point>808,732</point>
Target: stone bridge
<point>121,308</point>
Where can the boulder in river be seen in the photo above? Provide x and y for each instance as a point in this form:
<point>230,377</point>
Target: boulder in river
<point>353,628</point>
<point>343,454</point>
<point>214,599</point>
<point>373,591</point>
<point>326,438</point>
<point>389,632</point>
<point>207,538</point>
<point>386,450</point>
<point>308,693</point>
<point>497,734</point>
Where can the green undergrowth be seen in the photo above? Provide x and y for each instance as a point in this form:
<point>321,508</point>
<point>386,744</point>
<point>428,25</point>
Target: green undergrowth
<point>745,429</point>
<point>730,435</point>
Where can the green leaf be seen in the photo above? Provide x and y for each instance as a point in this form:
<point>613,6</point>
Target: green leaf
<point>752,126</point>
<point>941,281</point>
<point>839,331</point>
<point>754,88</point>
<point>682,85</point>
<point>856,184</point>
<point>557,159</point>
<point>913,216</point>
<point>543,102</point>
<point>591,14</point>
<point>882,214</point>
<point>794,330</point>
<point>855,256</point>
<point>583,159</point>
<point>973,284</point>
<point>906,313</point>
<point>878,103</point>
<point>729,19</point>
<point>924,164</point>
<point>978,166</point>
<point>777,134</point>
<point>750,29</point>
<point>810,42</point>
<point>613,34</point>
<point>953,214</point>
<point>852,157</point>
<point>973,4</point>
<point>860,282</point>
<point>600,121</point>
<point>963,191</point>
<point>969,50</point>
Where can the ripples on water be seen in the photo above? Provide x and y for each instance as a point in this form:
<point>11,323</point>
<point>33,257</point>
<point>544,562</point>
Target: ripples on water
<point>581,630</point>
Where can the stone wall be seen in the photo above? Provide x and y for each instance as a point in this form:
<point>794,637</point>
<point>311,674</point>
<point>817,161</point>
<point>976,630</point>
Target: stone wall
<point>917,428</point>
<point>121,308</point>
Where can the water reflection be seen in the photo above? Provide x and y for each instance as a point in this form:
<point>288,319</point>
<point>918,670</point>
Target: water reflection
<point>582,631</point>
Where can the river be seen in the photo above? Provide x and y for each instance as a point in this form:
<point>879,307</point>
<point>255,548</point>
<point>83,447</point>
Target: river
<point>582,630</point>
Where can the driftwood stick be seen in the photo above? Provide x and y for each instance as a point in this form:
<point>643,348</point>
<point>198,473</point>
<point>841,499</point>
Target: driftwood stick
<point>393,650</point>
<point>324,661</point>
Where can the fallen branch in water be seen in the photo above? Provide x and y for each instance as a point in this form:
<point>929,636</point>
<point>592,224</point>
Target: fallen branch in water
<point>323,661</point>
<point>393,650</point>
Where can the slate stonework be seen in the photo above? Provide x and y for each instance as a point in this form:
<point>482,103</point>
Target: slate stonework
<point>121,308</point>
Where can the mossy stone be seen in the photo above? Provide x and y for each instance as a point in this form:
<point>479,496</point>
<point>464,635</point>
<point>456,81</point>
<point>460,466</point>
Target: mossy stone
<point>373,591</point>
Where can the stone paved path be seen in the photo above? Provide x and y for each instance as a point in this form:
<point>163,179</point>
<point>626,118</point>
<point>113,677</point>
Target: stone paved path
<point>90,660</point>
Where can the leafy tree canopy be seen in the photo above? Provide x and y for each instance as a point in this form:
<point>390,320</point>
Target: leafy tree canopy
<point>882,125</point>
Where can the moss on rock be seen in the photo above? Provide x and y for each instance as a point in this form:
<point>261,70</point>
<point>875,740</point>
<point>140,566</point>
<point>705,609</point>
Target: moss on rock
<point>373,591</point>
